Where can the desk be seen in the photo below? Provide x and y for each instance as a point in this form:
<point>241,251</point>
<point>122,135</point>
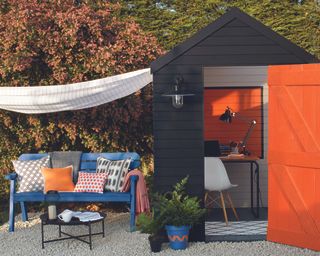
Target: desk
<point>252,160</point>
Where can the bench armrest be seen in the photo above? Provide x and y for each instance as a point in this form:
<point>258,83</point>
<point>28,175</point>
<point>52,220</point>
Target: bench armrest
<point>11,176</point>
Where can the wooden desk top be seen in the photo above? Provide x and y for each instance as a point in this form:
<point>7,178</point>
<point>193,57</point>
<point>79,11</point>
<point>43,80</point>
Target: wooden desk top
<point>239,159</point>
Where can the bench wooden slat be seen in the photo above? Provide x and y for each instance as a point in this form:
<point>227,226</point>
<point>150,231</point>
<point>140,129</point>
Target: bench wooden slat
<point>26,157</point>
<point>92,157</point>
<point>88,165</point>
<point>73,197</point>
<point>135,163</point>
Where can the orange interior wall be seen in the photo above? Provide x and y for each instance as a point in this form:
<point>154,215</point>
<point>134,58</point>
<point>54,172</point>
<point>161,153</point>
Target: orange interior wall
<point>247,102</point>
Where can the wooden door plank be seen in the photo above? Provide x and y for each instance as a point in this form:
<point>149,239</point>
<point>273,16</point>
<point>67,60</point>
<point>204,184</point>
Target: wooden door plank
<point>298,124</point>
<point>286,185</point>
<point>302,75</point>
<point>297,159</point>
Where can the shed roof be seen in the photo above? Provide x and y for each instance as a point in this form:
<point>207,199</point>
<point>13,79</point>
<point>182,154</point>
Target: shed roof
<point>232,14</point>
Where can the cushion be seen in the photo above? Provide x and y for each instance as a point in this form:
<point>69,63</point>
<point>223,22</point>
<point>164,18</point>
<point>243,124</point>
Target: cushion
<point>30,178</point>
<point>116,170</point>
<point>91,182</point>
<point>102,165</point>
<point>59,179</point>
<point>60,159</point>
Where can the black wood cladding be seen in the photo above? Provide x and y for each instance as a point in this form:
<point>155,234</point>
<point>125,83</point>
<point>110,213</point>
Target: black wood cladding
<point>178,136</point>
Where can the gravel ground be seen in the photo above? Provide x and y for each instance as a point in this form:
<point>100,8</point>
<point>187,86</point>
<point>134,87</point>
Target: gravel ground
<point>26,241</point>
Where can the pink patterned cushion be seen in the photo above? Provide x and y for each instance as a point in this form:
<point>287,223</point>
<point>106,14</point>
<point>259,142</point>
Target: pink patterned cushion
<point>91,182</point>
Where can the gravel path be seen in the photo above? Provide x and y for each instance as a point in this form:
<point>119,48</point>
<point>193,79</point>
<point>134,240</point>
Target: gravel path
<point>118,241</point>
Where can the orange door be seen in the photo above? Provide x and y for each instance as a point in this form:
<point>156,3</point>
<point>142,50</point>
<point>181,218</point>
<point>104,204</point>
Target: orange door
<point>294,155</point>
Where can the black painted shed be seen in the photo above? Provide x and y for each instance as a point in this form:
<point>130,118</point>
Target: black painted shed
<point>235,39</point>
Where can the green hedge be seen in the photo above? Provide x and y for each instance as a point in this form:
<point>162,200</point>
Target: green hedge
<point>174,21</point>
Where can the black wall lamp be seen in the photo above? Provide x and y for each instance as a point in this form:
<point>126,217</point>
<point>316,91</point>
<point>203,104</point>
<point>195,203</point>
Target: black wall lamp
<point>177,95</point>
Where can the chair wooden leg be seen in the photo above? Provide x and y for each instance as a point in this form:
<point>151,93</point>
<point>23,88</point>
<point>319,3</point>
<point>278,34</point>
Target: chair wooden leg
<point>224,208</point>
<point>208,200</point>
<point>205,199</point>
<point>231,204</point>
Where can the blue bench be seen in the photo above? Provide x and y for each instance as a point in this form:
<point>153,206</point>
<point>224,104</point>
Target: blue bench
<point>87,164</point>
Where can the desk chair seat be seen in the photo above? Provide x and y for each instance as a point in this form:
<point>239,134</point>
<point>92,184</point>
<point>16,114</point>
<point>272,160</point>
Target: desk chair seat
<point>217,180</point>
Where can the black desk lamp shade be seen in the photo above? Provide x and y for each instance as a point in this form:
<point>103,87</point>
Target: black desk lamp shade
<point>227,116</point>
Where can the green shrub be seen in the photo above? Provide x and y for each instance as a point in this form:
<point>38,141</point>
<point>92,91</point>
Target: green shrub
<point>176,208</point>
<point>150,223</point>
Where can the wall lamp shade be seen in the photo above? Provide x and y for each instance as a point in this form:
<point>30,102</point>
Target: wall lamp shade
<point>177,95</point>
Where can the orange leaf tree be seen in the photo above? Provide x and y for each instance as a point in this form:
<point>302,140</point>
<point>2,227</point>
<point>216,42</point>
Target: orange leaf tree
<point>58,42</point>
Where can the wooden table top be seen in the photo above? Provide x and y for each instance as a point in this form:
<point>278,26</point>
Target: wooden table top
<point>239,159</point>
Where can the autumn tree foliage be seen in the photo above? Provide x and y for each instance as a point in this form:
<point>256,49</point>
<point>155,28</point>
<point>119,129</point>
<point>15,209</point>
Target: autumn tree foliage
<point>58,42</point>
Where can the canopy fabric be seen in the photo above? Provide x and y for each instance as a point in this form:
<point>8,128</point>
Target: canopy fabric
<point>48,99</point>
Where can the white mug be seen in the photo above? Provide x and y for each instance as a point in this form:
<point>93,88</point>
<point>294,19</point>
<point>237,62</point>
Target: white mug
<point>66,215</point>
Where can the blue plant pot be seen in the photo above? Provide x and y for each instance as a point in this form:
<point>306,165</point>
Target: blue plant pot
<point>178,237</point>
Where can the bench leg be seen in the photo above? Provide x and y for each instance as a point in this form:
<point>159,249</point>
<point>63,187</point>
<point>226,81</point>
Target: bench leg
<point>11,215</point>
<point>24,211</point>
<point>132,219</point>
<point>133,183</point>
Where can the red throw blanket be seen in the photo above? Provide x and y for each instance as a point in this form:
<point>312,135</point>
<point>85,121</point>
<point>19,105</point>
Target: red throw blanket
<point>142,200</point>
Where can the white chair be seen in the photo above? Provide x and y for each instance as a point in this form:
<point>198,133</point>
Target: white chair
<point>216,179</point>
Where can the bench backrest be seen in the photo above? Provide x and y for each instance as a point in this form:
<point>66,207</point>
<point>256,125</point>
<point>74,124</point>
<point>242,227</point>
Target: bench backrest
<point>89,160</point>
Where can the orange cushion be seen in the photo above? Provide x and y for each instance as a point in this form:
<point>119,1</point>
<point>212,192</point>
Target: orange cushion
<point>59,179</point>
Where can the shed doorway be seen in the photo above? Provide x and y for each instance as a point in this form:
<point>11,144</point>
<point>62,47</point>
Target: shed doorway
<point>243,89</point>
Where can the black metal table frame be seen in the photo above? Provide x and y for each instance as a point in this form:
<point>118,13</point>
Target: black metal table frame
<point>79,237</point>
<point>252,172</point>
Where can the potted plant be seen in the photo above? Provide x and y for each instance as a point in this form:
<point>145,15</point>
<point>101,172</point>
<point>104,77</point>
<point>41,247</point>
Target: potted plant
<point>179,212</point>
<point>151,224</point>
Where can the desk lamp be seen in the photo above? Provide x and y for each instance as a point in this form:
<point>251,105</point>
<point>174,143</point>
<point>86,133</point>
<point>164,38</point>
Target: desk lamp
<point>227,117</point>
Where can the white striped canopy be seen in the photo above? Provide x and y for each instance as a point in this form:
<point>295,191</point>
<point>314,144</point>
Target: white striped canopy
<point>48,99</point>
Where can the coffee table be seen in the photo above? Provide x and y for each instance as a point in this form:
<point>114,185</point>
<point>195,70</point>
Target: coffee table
<point>74,222</point>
